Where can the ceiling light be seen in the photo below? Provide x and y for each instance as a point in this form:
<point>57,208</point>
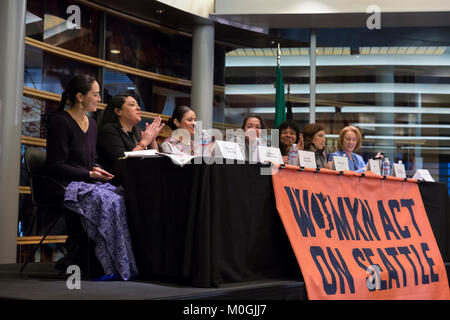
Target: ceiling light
<point>376,109</point>
<point>115,51</point>
<point>398,125</point>
<point>406,138</point>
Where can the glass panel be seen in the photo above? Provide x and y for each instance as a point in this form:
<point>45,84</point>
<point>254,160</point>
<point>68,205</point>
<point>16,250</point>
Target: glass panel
<point>34,115</point>
<point>25,226</point>
<point>49,72</point>
<point>65,24</point>
<point>152,96</point>
<point>394,85</point>
<point>142,47</point>
<point>250,76</point>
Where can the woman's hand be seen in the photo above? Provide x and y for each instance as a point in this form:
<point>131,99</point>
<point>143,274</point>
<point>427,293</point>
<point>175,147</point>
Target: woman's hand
<point>100,174</point>
<point>151,131</point>
<point>286,159</point>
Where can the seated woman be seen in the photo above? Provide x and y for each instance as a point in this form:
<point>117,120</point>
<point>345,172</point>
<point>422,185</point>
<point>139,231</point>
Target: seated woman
<point>182,123</point>
<point>349,140</point>
<point>314,140</point>
<point>252,125</point>
<point>289,134</point>
<point>71,159</point>
<point>119,131</point>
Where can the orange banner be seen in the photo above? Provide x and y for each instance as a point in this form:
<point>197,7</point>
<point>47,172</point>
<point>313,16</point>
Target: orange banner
<point>359,237</point>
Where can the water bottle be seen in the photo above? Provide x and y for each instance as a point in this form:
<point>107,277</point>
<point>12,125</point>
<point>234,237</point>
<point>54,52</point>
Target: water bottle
<point>254,155</point>
<point>205,142</point>
<point>386,167</point>
<point>293,155</point>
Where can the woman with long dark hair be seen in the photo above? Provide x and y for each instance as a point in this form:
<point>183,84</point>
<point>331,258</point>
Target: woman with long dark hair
<point>72,134</point>
<point>314,140</point>
<point>182,123</point>
<point>96,207</point>
<point>119,131</point>
<point>252,125</point>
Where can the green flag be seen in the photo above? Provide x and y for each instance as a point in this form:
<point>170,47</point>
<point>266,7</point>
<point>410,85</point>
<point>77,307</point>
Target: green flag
<point>280,105</point>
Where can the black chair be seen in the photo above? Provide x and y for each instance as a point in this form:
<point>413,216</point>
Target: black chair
<point>47,193</point>
<point>39,184</point>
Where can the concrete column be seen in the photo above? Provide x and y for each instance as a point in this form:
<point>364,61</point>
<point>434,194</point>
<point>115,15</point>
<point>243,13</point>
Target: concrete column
<point>312,78</point>
<point>202,90</point>
<point>418,160</point>
<point>385,75</point>
<point>12,48</point>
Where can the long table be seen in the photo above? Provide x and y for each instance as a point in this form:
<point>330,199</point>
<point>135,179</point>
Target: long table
<point>204,225</point>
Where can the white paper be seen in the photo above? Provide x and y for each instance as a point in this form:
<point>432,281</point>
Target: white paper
<point>307,159</point>
<point>340,163</point>
<point>269,154</point>
<point>398,170</point>
<point>423,174</point>
<point>374,166</point>
<point>228,150</point>
<point>179,159</point>
<point>142,153</point>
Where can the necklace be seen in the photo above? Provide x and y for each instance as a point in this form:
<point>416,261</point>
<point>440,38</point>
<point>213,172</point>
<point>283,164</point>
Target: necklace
<point>80,121</point>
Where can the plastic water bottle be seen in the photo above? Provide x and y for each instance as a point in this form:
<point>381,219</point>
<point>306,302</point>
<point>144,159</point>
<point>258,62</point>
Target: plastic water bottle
<point>255,145</point>
<point>205,142</point>
<point>386,167</point>
<point>293,155</point>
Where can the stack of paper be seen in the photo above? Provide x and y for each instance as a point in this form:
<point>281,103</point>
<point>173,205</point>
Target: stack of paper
<point>142,154</point>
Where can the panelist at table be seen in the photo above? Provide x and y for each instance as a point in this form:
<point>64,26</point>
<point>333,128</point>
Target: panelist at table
<point>289,134</point>
<point>182,123</point>
<point>350,140</point>
<point>119,131</point>
<point>252,125</point>
<point>314,140</point>
<point>71,160</point>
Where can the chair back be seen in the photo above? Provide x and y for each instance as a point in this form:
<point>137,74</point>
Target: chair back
<point>34,162</point>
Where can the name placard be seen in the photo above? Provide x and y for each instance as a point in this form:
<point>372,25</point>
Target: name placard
<point>228,150</point>
<point>340,163</point>
<point>307,159</point>
<point>269,154</point>
<point>423,174</point>
<point>398,170</point>
<point>374,166</point>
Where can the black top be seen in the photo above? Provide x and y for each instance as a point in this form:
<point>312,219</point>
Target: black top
<point>112,143</point>
<point>71,153</point>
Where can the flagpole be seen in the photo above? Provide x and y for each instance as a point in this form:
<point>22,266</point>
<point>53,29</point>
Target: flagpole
<point>278,55</point>
<point>280,104</point>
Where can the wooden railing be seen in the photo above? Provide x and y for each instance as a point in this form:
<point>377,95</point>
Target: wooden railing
<point>36,239</point>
